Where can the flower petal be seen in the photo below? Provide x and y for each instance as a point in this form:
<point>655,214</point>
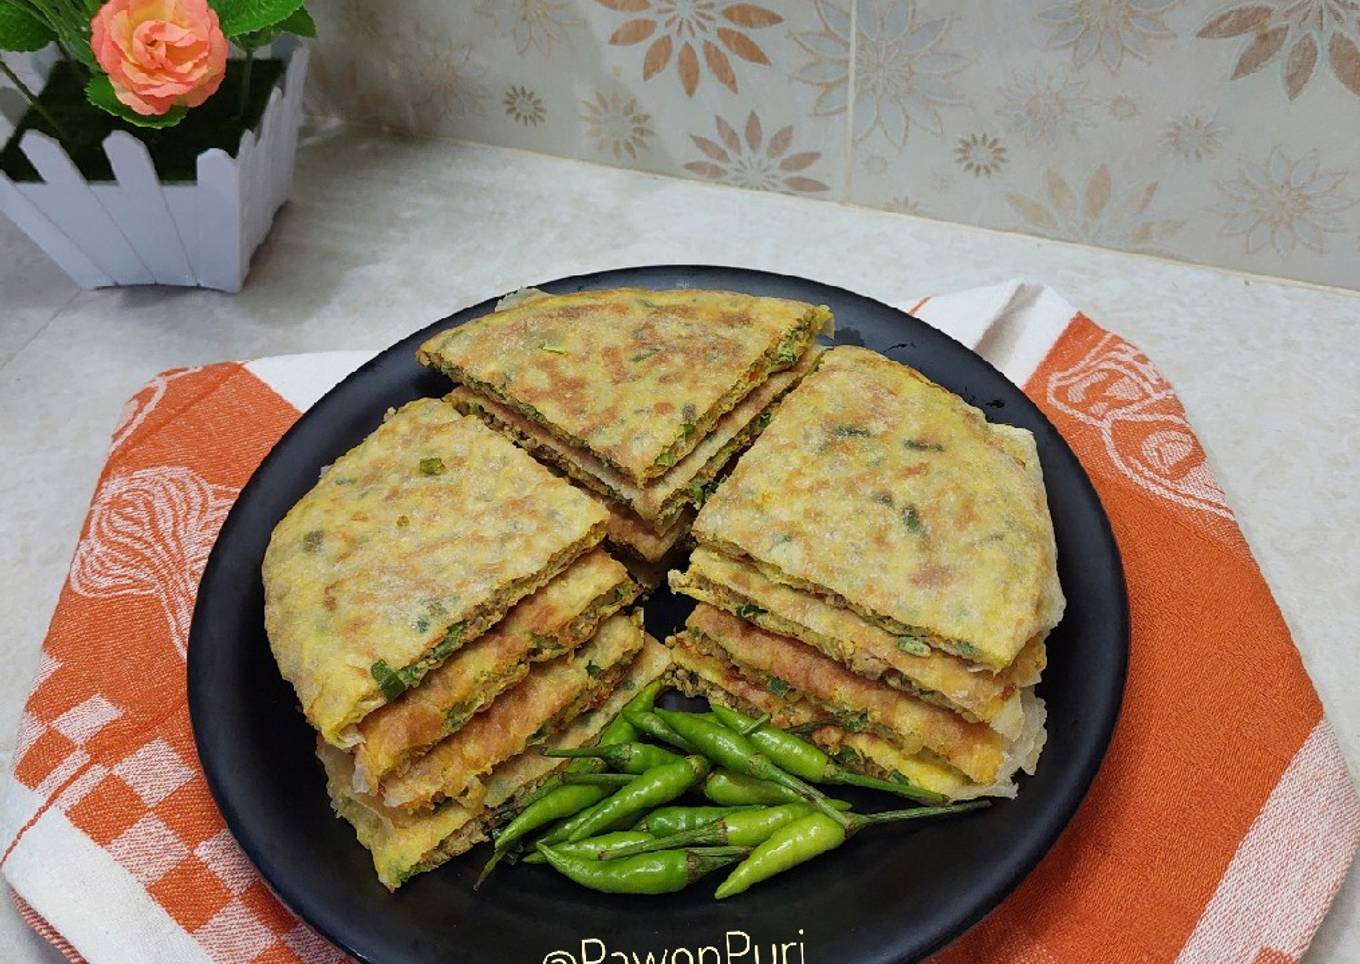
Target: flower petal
<point>704,169</point>
<point>749,15</point>
<point>1062,13</point>
<point>754,136</point>
<point>1257,236</point>
<point>743,46</point>
<point>720,66</point>
<point>1235,22</point>
<point>1112,49</point>
<point>837,19</point>
<point>632,32</point>
<point>823,72</point>
<point>865,119</point>
<point>1098,191</point>
<point>924,36</point>
<point>896,21</point>
<point>1305,169</point>
<point>1279,165</point>
<point>1309,233</point>
<point>780,143</point>
<point>728,135</point>
<point>798,183</point>
<point>798,162</point>
<point>1262,49</point>
<point>823,45</point>
<point>832,100</point>
<point>1239,223</point>
<point>939,64</point>
<point>1086,46</point>
<point>1132,205</point>
<point>1067,33</point>
<point>1059,193</point>
<point>1298,68</point>
<point>1033,212</point>
<point>938,92</point>
<point>893,118</point>
<point>867,18</point>
<point>658,56</point>
<point>1344,57</point>
<point>688,64</point>
<point>710,148</point>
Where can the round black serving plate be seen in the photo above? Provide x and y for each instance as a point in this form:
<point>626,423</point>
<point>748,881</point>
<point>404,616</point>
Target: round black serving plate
<point>891,895</point>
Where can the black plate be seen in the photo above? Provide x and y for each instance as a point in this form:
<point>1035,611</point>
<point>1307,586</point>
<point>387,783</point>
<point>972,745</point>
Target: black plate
<point>890,895</point>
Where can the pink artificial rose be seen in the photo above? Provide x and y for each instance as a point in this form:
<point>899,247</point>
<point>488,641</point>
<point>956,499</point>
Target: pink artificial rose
<point>159,53</point>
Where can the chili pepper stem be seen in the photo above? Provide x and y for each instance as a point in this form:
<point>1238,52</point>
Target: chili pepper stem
<point>755,724</point>
<point>652,725</point>
<point>859,821</point>
<point>487,869</point>
<point>597,779</point>
<point>709,835</point>
<point>909,790</point>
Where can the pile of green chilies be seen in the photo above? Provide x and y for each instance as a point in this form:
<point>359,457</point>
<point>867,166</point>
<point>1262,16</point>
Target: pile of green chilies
<point>609,822</point>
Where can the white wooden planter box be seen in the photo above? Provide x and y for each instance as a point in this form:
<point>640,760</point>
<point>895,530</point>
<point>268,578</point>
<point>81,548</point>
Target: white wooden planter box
<point>135,230</point>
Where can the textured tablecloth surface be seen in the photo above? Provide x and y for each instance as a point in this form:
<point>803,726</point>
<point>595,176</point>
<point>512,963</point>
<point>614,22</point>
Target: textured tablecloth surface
<point>1219,828</point>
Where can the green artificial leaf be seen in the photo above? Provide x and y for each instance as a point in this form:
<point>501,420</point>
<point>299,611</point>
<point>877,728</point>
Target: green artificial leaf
<point>299,23</point>
<point>257,38</point>
<point>239,17</point>
<point>100,92</point>
<point>20,30</point>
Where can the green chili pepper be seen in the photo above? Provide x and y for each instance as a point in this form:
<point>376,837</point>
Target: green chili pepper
<point>614,780</point>
<point>745,828</point>
<point>668,820</point>
<point>592,846</point>
<point>625,757</point>
<point>797,842</point>
<point>558,802</point>
<point>736,752</point>
<point>809,761</point>
<point>653,726</point>
<point>647,790</point>
<point>663,872</point>
<point>728,789</point>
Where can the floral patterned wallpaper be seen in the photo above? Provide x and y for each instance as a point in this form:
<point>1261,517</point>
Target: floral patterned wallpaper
<point>1222,133</point>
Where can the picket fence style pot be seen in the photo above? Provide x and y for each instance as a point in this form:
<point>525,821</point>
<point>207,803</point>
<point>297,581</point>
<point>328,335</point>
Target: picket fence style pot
<point>135,230</point>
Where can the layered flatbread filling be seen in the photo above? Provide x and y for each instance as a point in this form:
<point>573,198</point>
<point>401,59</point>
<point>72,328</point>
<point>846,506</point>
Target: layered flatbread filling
<point>404,844</point>
<point>902,662</point>
<point>942,532</point>
<point>676,362</point>
<point>795,671</point>
<point>628,532</point>
<point>411,545</point>
<point>556,619</point>
<point>688,482</point>
<point>702,669</point>
<point>526,715</point>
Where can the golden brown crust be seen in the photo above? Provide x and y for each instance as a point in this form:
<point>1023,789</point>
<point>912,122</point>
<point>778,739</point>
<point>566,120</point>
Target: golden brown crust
<point>404,844</point>
<point>941,531</point>
<point>869,650</point>
<point>548,697</point>
<point>413,543</point>
<point>673,363</point>
<point>685,485</point>
<point>554,620</point>
<point>974,748</point>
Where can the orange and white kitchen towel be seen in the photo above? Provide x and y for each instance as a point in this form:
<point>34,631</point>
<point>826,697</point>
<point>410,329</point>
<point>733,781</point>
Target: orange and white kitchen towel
<point>1218,830</point>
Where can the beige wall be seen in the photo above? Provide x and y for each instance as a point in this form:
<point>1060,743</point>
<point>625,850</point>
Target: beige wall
<point>1223,133</point>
